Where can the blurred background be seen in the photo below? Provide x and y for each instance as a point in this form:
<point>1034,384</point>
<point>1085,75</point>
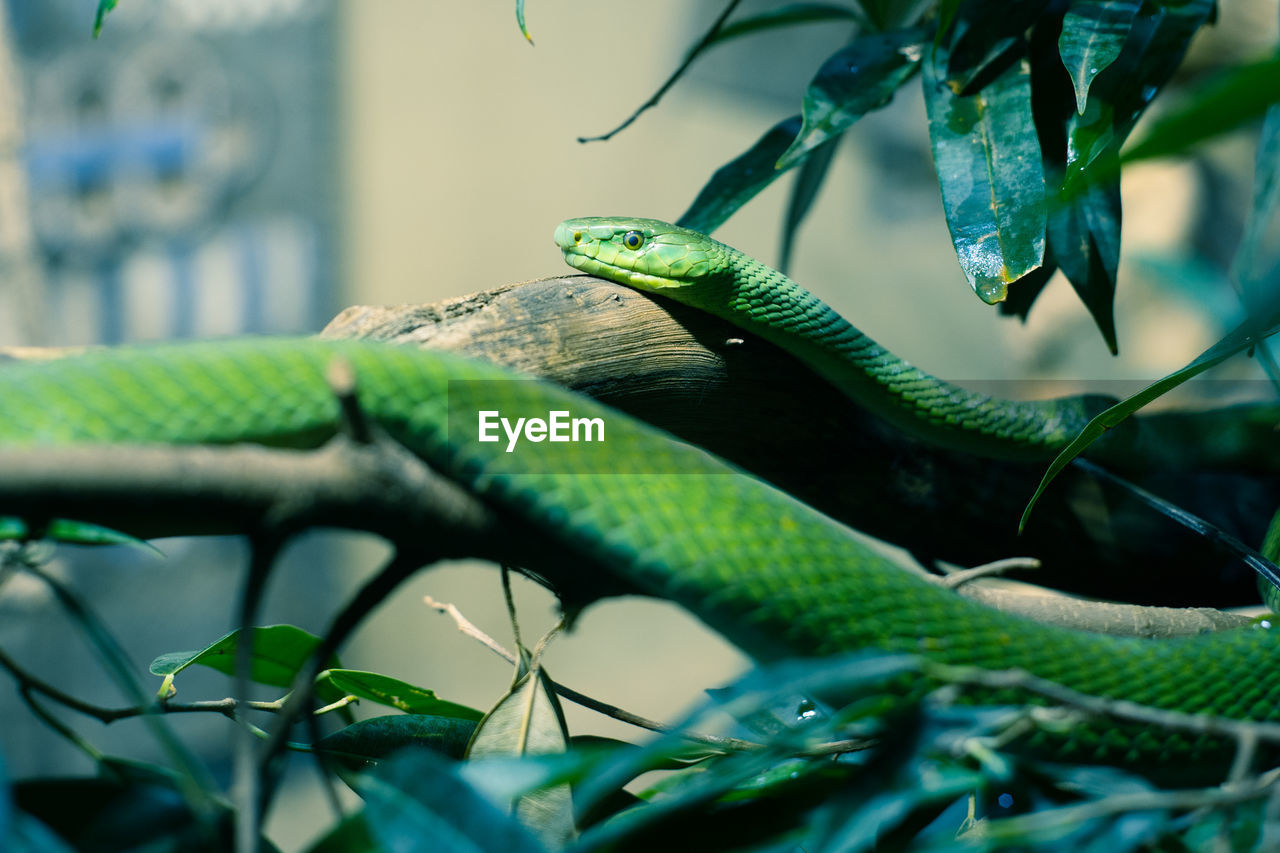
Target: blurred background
<point>253,166</point>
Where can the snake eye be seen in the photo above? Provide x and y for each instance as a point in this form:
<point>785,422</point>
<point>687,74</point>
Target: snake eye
<point>633,240</point>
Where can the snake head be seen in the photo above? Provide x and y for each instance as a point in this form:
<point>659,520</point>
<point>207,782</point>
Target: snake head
<point>647,254</point>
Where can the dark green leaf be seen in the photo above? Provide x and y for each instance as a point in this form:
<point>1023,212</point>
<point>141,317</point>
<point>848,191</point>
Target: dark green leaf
<point>520,21</point>
<point>857,79</point>
<point>104,6</point>
<point>1093,33</point>
<point>1084,233</point>
<point>784,16</point>
<point>279,653</point>
<point>982,40</point>
<point>738,181</point>
<point>415,801</point>
<point>351,835</point>
<point>1023,292</point>
<point>1241,338</point>
<point>1158,39</point>
<point>529,721</point>
<point>1236,97</point>
<point>1247,266</point>
<point>803,192</point>
<point>987,157</point>
<point>366,741</point>
<point>394,693</point>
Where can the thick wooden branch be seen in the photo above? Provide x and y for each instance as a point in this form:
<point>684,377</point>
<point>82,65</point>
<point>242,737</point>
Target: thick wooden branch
<point>706,381</point>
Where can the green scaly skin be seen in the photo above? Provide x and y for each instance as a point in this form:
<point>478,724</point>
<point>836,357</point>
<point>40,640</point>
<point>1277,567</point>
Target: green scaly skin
<point>771,574</point>
<point>694,269</point>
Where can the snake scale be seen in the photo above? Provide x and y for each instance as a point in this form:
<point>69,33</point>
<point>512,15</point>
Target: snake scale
<point>771,574</point>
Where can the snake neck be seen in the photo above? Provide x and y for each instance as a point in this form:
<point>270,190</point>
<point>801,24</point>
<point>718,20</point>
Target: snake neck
<point>767,303</point>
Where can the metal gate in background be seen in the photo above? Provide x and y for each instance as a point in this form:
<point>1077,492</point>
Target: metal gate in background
<point>181,170</point>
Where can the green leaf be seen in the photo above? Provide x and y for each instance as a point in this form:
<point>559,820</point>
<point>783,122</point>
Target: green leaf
<point>520,21</point>
<point>350,835</point>
<point>1241,338</point>
<point>987,157</point>
<point>1238,96</point>
<point>365,742</point>
<point>803,192</point>
<point>72,532</point>
<point>104,6</point>
<point>857,79</point>
<point>1093,33</point>
<point>1084,234</point>
<point>415,802</point>
<point>784,16</point>
<point>1158,40</point>
<point>1247,266</point>
<point>738,181</point>
<point>394,693</point>
<point>982,39</point>
<point>279,653</point>
<point>528,720</point>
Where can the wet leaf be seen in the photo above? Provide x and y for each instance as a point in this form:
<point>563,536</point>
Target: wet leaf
<point>739,180</point>
<point>987,157</point>
<point>982,39</point>
<point>857,79</point>
<point>1093,33</point>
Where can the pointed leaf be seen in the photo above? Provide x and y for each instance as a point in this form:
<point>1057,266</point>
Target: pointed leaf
<point>803,192</point>
<point>279,653</point>
<point>366,741</point>
<point>520,21</point>
<point>1247,265</point>
<point>857,79</point>
<point>987,157</point>
<point>99,17</point>
<point>394,693</point>
<point>739,180</point>
<point>1093,33</point>
<point>982,40</point>
<point>1084,233</point>
<point>529,721</point>
<point>415,802</point>
<point>1238,96</point>
<point>1241,338</point>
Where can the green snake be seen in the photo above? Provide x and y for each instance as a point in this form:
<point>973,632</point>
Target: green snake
<point>654,514</point>
<point>690,267</point>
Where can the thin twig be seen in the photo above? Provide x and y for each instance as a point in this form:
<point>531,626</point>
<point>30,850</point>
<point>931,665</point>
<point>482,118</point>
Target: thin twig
<point>956,576</point>
<point>662,90</point>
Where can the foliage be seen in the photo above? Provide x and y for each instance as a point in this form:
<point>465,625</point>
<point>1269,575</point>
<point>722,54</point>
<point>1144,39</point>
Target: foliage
<point>1029,105</point>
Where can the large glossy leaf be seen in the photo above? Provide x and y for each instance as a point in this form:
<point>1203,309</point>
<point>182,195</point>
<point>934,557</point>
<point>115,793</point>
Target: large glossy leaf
<point>394,693</point>
<point>415,802</point>
<point>987,157</point>
<point>1239,95</point>
<point>855,80</point>
<point>1093,32</point>
<point>739,180</point>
